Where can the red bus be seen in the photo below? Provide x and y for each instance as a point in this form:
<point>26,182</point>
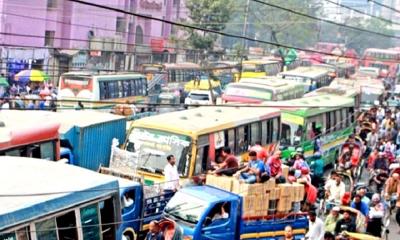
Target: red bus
<point>28,137</point>
<point>385,59</point>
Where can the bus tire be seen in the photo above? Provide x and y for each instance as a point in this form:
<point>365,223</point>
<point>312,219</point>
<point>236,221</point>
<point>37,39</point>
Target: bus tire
<point>130,234</point>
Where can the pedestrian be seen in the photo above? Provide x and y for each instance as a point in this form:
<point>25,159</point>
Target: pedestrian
<point>154,232</point>
<point>333,217</point>
<point>317,167</point>
<point>229,165</point>
<point>316,228</point>
<point>375,216</point>
<point>171,175</point>
<point>288,234</point>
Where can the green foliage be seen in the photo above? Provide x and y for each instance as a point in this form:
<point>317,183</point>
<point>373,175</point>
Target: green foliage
<point>207,14</point>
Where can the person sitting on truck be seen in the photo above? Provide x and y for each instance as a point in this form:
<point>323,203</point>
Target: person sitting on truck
<point>154,232</point>
<point>230,164</point>
<point>275,166</point>
<point>171,175</point>
<point>252,172</point>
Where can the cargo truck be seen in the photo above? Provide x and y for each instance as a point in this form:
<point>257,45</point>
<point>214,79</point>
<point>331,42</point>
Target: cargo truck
<point>206,212</point>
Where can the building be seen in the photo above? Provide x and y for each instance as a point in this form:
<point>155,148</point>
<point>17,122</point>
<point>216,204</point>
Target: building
<point>73,35</point>
<point>334,12</point>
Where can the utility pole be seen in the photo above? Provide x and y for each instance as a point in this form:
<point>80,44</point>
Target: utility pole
<point>244,32</point>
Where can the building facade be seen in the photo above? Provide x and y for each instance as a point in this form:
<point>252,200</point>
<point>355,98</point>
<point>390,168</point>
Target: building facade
<point>74,35</point>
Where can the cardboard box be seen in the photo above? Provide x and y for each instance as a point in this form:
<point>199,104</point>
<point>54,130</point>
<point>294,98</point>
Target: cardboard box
<point>274,194</point>
<point>269,185</point>
<point>284,204</point>
<point>298,192</point>
<point>285,189</point>
<point>245,189</point>
<point>285,171</point>
<point>221,182</point>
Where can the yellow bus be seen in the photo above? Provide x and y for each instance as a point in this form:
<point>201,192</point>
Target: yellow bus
<point>260,68</point>
<point>112,87</point>
<point>196,137</point>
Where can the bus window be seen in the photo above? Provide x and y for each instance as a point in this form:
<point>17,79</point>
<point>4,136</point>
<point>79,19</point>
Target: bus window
<point>328,122</point>
<point>126,88</point>
<point>255,133</point>
<point>66,225</point>
<point>239,139</point>
<point>344,118</point>
<point>47,151</point>
<point>269,131</point>
<point>46,230</point>
<point>286,135</point>
<point>90,222</point>
<point>103,90</point>
<point>20,234</point>
<point>333,121</point>
<point>107,219</point>
<point>338,120</point>
<point>263,132</point>
<point>351,112</point>
<point>276,125</point>
<point>202,156</point>
<point>231,139</point>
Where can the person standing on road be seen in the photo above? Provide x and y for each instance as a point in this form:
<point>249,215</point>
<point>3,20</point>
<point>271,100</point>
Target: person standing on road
<point>316,229</point>
<point>171,175</point>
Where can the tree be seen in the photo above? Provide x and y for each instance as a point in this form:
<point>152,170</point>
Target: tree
<point>207,14</point>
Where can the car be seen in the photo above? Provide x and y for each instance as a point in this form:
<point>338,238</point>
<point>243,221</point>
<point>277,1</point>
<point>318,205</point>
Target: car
<point>201,97</point>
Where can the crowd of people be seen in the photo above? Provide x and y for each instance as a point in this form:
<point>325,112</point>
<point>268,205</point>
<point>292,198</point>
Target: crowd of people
<point>33,96</point>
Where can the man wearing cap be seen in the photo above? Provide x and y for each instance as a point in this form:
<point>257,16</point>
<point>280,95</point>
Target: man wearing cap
<point>333,217</point>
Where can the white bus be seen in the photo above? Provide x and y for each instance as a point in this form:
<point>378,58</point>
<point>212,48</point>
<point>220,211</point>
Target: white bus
<point>86,86</point>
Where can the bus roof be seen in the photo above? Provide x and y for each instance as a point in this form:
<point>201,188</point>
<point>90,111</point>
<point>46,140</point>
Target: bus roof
<point>104,75</point>
<point>260,61</point>
<point>268,83</point>
<point>21,128</point>
<point>309,106</point>
<point>72,186</point>
<point>340,91</point>
<point>181,65</point>
<point>378,50</point>
<point>310,72</point>
<point>202,120</point>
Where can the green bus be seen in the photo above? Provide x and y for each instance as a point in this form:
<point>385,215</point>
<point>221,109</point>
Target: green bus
<point>332,114</point>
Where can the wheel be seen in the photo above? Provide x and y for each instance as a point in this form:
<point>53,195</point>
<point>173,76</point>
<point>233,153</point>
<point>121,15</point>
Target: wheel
<point>129,235</point>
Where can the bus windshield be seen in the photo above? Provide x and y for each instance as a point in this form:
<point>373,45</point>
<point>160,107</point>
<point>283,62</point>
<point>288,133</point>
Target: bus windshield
<point>185,207</point>
<point>153,147</point>
<point>249,92</point>
<point>253,68</point>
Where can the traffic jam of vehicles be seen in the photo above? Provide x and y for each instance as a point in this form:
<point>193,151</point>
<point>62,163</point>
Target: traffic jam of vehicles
<point>257,149</point>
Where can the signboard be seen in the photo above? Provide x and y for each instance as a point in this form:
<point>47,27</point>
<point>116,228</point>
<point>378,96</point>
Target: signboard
<point>219,139</point>
<point>122,160</point>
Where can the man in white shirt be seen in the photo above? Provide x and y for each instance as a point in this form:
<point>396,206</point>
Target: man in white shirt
<point>335,188</point>
<point>171,175</point>
<point>316,229</point>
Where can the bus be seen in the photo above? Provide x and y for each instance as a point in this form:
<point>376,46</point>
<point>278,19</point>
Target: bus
<point>387,60</point>
<point>312,77</point>
<point>95,90</point>
<point>372,90</point>
<point>257,90</point>
<point>196,137</point>
<point>328,47</point>
<point>86,206</point>
<point>339,91</point>
<point>225,71</point>
<point>260,68</point>
<point>334,115</point>
<point>171,72</point>
<point>27,136</point>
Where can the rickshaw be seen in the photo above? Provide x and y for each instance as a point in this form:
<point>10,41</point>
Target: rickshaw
<point>366,127</point>
<point>350,159</point>
<point>359,236</point>
<point>359,218</point>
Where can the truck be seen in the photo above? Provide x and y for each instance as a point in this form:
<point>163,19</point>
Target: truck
<point>207,212</point>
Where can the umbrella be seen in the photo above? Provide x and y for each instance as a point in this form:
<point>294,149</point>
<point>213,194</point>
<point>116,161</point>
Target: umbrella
<point>31,75</point>
<point>3,82</point>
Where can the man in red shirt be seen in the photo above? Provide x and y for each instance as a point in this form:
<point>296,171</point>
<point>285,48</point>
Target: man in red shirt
<point>275,166</point>
<point>230,164</point>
